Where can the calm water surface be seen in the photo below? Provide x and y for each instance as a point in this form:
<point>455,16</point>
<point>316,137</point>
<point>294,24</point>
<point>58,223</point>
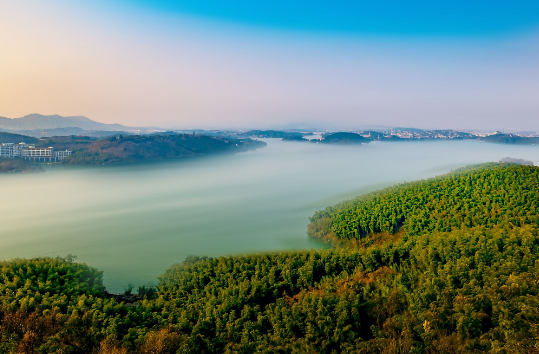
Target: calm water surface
<point>133,222</point>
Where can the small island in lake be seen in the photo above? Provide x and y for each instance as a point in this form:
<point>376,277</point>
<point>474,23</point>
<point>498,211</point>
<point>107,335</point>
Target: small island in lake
<point>344,138</point>
<point>294,138</point>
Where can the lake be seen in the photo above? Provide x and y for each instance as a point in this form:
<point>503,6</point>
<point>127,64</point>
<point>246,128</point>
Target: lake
<point>133,222</point>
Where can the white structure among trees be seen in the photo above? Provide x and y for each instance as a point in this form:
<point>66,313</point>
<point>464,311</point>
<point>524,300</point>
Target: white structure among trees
<point>30,152</point>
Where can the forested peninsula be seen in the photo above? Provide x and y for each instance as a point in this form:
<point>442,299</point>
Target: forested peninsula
<point>123,149</point>
<point>135,148</point>
<point>445,265</point>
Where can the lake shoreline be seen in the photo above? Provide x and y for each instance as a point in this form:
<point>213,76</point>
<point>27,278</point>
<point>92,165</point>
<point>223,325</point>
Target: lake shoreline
<point>134,221</point>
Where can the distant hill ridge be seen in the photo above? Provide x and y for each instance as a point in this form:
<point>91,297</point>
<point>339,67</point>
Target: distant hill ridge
<point>16,138</point>
<point>38,121</point>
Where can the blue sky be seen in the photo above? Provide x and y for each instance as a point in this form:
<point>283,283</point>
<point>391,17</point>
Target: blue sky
<point>243,64</point>
<point>385,17</point>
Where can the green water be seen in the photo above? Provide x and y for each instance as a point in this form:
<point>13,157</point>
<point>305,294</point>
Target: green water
<point>133,222</point>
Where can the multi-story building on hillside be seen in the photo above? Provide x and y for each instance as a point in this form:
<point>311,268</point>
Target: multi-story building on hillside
<point>6,150</point>
<point>11,150</point>
<point>60,155</point>
<point>30,152</point>
<point>38,154</point>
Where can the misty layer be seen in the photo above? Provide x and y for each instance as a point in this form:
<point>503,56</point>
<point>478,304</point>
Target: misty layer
<point>470,289</point>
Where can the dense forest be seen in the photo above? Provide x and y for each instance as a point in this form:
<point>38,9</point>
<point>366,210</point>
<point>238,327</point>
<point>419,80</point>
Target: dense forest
<point>120,149</point>
<point>457,274</point>
<point>485,195</point>
<point>136,148</point>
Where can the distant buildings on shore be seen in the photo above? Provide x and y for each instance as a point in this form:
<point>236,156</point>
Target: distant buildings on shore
<point>30,152</point>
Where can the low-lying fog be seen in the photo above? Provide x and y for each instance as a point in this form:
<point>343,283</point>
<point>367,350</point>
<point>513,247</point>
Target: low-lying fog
<point>133,222</point>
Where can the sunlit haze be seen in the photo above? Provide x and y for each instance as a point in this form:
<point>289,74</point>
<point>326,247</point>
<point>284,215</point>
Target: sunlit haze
<point>238,65</point>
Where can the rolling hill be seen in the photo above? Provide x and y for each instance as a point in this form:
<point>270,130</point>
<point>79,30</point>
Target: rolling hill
<point>16,138</point>
<point>41,122</point>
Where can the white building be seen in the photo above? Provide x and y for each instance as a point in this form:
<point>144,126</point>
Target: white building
<point>6,150</point>
<point>30,152</point>
<point>60,155</point>
<point>38,154</point>
<point>11,150</point>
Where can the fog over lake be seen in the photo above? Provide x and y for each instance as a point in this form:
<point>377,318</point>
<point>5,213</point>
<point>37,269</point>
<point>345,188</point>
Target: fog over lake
<point>133,222</point>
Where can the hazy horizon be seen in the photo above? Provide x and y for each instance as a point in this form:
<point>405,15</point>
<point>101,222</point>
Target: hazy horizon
<point>243,65</point>
<point>292,126</point>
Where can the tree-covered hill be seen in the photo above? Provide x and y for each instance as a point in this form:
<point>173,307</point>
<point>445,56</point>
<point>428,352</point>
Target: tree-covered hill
<point>71,142</point>
<point>436,288</point>
<point>295,138</point>
<point>467,291</point>
<point>510,139</point>
<point>12,138</point>
<point>135,148</point>
<point>343,138</point>
<point>484,195</point>
<point>131,148</point>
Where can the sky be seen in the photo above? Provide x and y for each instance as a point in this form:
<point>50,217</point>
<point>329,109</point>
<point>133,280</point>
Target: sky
<point>254,64</point>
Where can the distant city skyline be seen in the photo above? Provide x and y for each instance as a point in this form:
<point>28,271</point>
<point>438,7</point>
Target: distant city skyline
<point>240,64</point>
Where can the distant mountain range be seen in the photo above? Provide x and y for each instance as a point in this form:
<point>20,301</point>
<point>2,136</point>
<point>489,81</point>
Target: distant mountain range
<point>33,122</point>
<point>47,133</point>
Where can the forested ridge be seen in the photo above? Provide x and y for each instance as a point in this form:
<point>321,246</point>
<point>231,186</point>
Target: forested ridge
<point>422,287</point>
<point>484,195</point>
<point>137,148</point>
